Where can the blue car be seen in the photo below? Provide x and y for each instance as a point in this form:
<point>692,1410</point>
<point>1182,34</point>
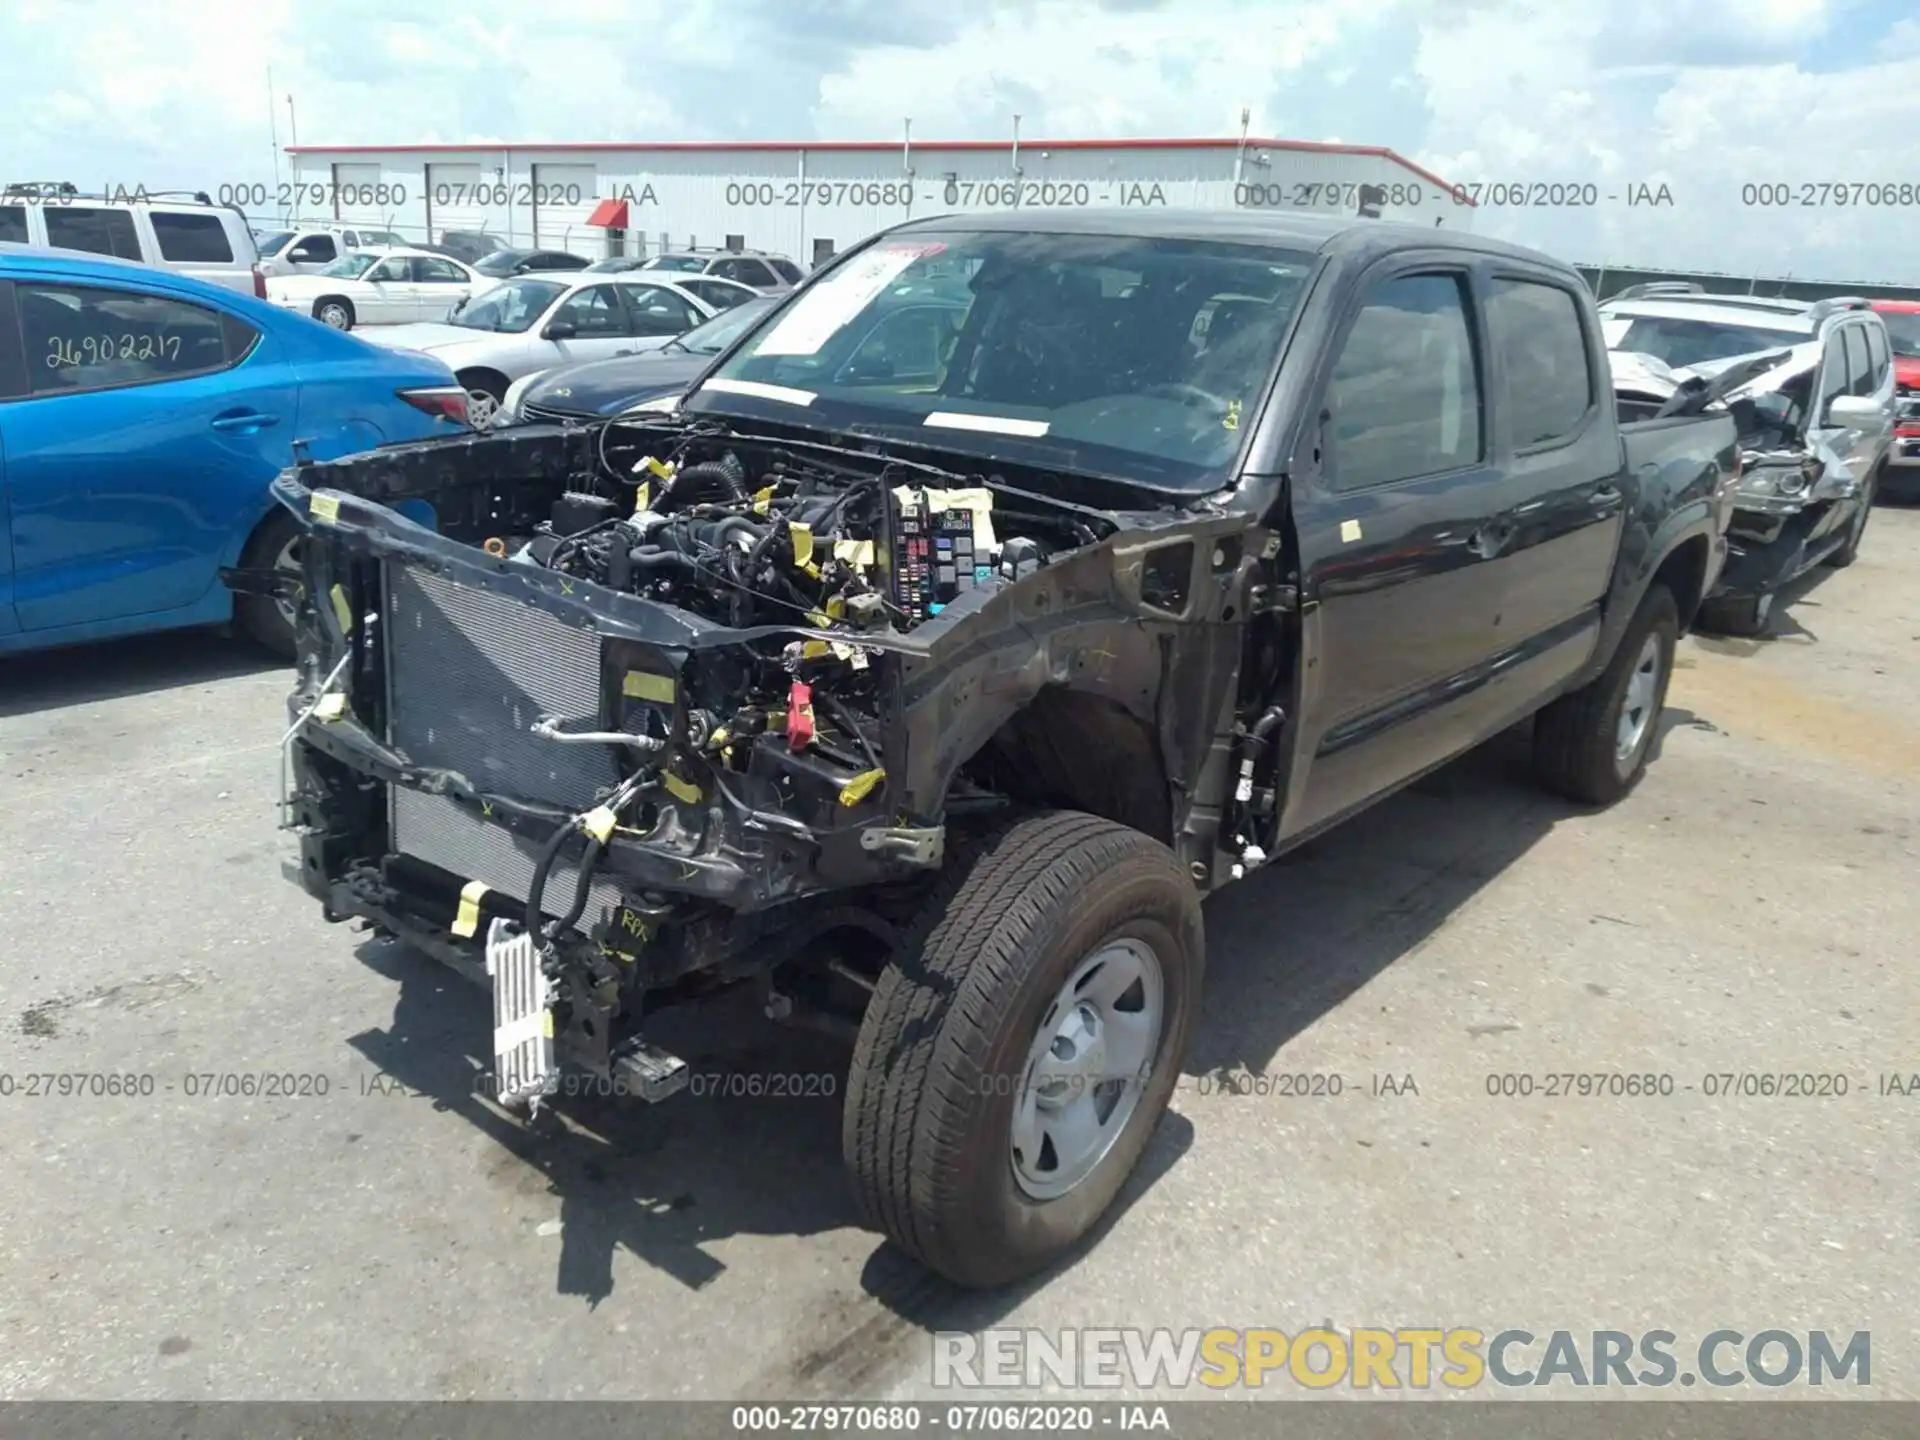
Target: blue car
<point>143,416</point>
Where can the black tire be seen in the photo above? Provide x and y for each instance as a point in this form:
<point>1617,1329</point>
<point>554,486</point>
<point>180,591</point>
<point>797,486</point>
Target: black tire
<point>1744,615</point>
<point>258,617</point>
<point>1576,738</point>
<point>1849,550</point>
<point>336,305</point>
<point>944,1046</point>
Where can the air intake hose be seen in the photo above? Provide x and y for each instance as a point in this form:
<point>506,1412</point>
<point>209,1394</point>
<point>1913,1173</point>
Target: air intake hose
<point>713,482</point>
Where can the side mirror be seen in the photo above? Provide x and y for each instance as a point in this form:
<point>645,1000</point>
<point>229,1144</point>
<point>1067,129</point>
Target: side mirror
<point>302,256</point>
<point>1855,412</point>
<point>560,330</point>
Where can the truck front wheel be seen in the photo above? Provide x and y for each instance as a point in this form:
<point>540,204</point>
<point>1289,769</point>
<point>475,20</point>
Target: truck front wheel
<point>1592,745</point>
<point>1016,1057</point>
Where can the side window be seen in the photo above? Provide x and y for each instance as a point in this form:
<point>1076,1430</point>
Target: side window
<point>1877,353</point>
<point>717,293</point>
<point>788,271</point>
<point>658,312</point>
<point>1536,330</point>
<point>436,272</point>
<point>319,248</point>
<point>104,232</point>
<point>746,272</point>
<point>13,224</point>
<point>350,239</point>
<point>1405,392</point>
<point>391,272</point>
<point>85,338</point>
<point>592,311</point>
<point>190,236</point>
<point>1859,363</point>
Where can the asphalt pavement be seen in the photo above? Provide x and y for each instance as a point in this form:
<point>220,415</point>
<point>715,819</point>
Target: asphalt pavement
<point>303,1199</point>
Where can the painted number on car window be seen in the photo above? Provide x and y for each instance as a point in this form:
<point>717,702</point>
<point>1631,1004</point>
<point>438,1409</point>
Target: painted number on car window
<point>66,351</point>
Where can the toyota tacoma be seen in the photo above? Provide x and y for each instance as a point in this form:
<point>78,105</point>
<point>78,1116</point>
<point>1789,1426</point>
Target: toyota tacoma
<point>926,673</point>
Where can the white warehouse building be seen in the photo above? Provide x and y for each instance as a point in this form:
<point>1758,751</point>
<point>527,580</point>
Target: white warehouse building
<point>807,199</point>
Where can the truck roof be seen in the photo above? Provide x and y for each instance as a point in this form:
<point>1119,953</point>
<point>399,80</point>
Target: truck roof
<point>1348,235</point>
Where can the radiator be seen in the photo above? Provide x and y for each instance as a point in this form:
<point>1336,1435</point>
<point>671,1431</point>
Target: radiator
<point>468,673</point>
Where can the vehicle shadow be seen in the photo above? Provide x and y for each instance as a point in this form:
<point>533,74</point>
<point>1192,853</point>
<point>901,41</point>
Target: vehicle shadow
<point>664,1182</point>
<point>1309,932</point>
<point>114,669</point>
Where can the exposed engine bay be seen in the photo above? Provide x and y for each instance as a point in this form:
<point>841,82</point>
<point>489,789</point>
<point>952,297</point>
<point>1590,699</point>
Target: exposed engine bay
<point>674,699</point>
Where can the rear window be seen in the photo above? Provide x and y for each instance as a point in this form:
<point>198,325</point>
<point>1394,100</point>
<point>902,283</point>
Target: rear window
<point>191,236</point>
<point>13,223</point>
<point>104,232</point>
<point>688,264</point>
<point>788,271</point>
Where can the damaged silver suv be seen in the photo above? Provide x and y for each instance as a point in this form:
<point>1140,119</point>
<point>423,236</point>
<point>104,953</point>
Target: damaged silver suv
<point>1815,427</point>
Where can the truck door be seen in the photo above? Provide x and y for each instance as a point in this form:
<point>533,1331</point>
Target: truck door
<point>13,385</point>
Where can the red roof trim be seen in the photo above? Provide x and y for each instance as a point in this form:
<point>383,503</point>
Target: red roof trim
<point>1209,142</point>
<point>609,214</point>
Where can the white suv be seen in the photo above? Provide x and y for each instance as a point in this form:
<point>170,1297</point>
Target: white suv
<point>171,230</point>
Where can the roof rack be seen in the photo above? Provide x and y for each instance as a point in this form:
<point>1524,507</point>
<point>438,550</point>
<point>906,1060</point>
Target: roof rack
<point>1658,287</point>
<point>67,190</point>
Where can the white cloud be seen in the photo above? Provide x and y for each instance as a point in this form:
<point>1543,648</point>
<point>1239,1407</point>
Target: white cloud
<point>1693,93</point>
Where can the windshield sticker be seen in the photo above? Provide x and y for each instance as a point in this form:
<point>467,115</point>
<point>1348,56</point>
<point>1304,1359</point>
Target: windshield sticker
<point>786,395</point>
<point>820,313</point>
<point>988,424</point>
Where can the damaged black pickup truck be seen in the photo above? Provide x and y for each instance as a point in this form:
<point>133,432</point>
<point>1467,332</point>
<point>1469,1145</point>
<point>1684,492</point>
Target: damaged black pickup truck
<point>1015,583</point>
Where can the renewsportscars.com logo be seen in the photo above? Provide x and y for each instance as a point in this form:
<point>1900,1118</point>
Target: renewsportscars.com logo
<point>1402,1358</point>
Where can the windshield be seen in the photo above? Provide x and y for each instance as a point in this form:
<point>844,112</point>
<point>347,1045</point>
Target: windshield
<point>688,263</point>
<point>1694,342</point>
<point>349,267</point>
<point>275,243</point>
<point>1116,355</point>
<point>1903,330</point>
<point>710,337</point>
<point>510,308</point>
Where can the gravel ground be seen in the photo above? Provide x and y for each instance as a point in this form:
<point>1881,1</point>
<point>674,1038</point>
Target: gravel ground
<point>1751,908</point>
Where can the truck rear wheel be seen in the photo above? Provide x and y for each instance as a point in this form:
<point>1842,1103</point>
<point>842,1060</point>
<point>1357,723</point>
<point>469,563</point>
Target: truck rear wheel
<point>1015,1059</point>
<point>1592,745</point>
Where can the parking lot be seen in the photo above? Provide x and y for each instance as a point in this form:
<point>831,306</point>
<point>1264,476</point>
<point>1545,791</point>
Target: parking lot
<point>1751,908</point>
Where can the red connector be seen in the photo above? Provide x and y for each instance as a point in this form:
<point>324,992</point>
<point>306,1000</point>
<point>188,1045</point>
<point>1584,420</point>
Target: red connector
<point>799,716</point>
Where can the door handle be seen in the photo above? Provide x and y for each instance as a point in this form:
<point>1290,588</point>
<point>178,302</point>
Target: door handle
<point>1606,494</point>
<point>244,422</point>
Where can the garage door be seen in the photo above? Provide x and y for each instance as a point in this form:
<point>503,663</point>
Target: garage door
<point>563,197</point>
<point>457,201</point>
<point>357,191</point>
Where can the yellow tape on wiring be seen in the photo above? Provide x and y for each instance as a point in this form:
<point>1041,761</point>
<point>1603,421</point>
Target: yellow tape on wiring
<point>598,822</point>
<point>324,508</point>
<point>814,649</point>
<point>802,542</point>
<point>659,467</point>
<point>643,496</point>
<point>860,786</point>
<point>644,685</point>
<point>467,920</point>
<point>854,552</point>
<point>683,790</point>
<point>762,500</point>
<point>342,611</point>
<point>331,707</point>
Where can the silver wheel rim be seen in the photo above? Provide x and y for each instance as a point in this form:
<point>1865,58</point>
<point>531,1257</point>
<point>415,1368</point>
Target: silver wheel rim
<point>333,315</point>
<point>480,408</point>
<point>287,562</point>
<point>1636,711</point>
<point>1089,1064</point>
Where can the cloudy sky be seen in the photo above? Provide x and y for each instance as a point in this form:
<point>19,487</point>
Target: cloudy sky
<point>1704,96</point>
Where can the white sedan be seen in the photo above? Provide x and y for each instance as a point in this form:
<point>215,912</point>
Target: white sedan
<point>386,286</point>
<point>534,322</point>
